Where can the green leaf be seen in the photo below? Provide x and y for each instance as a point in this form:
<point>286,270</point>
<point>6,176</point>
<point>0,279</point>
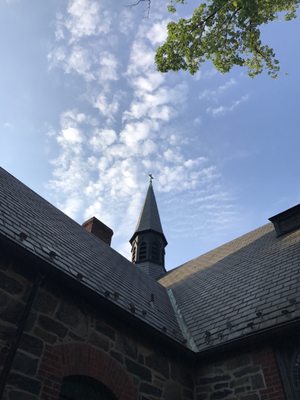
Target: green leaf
<point>227,32</point>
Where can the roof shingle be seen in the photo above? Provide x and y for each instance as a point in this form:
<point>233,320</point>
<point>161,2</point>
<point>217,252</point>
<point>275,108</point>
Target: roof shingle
<point>48,231</point>
<point>240,288</point>
<point>243,287</point>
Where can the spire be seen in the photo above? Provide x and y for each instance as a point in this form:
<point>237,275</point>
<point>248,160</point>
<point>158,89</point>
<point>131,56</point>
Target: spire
<point>149,217</point>
<point>148,241</point>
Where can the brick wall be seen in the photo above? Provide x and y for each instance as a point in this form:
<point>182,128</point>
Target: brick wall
<point>65,335</point>
<point>248,376</point>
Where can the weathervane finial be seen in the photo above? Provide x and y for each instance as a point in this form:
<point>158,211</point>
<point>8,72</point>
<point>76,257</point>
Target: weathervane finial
<point>151,178</point>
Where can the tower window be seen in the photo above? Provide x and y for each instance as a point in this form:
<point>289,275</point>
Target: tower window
<point>143,251</point>
<point>155,250</point>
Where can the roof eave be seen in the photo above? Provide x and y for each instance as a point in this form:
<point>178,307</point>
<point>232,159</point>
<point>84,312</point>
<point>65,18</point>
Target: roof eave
<point>40,265</point>
<point>264,336</point>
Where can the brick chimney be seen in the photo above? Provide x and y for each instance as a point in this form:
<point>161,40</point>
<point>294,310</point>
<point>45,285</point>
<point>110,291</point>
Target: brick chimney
<point>99,229</point>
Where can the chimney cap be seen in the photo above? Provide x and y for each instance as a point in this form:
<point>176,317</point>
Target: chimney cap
<point>99,229</point>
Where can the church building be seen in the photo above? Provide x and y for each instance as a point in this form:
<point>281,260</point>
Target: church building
<point>78,321</point>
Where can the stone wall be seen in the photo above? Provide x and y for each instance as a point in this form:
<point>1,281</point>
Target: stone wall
<point>248,376</point>
<point>65,335</point>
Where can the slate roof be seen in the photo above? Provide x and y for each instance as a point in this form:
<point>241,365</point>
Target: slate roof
<point>78,251</point>
<point>245,286</point>
<point>149,218</point>
<point>241,288</point>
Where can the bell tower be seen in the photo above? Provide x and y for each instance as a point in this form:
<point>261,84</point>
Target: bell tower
<point>148,241</point>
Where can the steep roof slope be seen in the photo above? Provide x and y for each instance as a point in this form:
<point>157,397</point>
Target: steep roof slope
<point>104,270</point>
<point>241,288</point>
<point>245,286</point>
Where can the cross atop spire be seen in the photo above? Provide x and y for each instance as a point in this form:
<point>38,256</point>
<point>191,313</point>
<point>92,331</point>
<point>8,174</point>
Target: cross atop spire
<point>151,178</point>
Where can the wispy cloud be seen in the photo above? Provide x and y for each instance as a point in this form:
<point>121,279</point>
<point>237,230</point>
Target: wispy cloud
<point>216,93</point>
<point>129,126</point>
<point>222,109</point>
<point>215,98</point>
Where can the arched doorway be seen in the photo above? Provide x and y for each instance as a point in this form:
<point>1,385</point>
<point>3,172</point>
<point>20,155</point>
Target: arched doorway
<point>78,387</point>
<point>91,366</point>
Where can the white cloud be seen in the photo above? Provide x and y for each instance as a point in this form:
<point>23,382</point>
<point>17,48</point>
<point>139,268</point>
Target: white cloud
<point>226,85</point>
<point>133,133</point>
<point>56,56</point>
<point>107,107</point>
<point>222,110</point>
<point>108,65</point>
<point>102,139</point>
<point>79,61</point>
<point>171,155</point>
<point>158,32</point>
<point>148,82</point>
<point>79,48</point>
<point>130,126</point>
<point>72,118</point>
<point>141,58</point>
<point>69,176</point>
<point>73,60</point>
<point>72,206</point>
<point>209,94</point>
<point>158,104</point>
<point>85,19</point>
<point>127,22</point>
<point>70,135</point>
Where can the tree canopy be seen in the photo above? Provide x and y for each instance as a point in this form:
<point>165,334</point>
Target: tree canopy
<point>227,32</point>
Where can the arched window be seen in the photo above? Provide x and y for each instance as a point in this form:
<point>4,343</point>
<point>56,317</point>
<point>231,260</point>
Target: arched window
<point>78,387</point>
<point>143,251</point>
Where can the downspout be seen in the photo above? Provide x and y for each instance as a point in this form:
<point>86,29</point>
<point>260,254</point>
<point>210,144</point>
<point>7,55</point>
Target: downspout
<point>14,343</point>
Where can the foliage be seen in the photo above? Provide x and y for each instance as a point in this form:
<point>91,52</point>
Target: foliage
<point>227,32</point>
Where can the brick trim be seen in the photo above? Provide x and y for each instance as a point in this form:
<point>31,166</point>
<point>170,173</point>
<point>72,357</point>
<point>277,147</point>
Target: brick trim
<point>82,359</point>
<point>274,389</point>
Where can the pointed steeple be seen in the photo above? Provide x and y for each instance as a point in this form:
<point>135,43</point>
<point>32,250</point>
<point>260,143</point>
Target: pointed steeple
<point>148,241</point>
<point>149,217</point>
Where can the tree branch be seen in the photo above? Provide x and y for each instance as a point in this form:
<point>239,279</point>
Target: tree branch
<point>139,2</point>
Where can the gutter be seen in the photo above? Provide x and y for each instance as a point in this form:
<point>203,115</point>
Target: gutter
<point>275,333</point>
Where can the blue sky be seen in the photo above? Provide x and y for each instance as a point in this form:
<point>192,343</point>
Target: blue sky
<point>85,117</point>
